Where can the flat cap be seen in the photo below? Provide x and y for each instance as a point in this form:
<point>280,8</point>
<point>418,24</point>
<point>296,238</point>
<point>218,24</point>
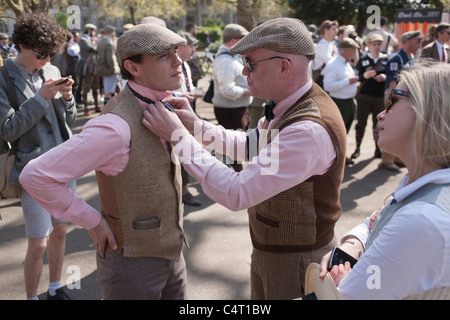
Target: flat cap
<point>190,39</point>
<point>375,37</point>
<point>128,26</point>
<point>410,34</point>
<point>109,28</point>
<point>3,35</point>
<point>153,19</point>
<point>286,35</point>
<point>147,38</point>
<point>233,30</point>
<point>90,26</point>
<point>348,43</point>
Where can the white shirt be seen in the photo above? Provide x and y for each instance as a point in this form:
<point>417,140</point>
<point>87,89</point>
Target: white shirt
<point>410,255</point>
<point>336,78</point>
<point>439,49</point>
<point>324,52</point>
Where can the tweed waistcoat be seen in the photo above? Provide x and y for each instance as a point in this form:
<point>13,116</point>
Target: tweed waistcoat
<point>302,218</point>
<point>142,204</point>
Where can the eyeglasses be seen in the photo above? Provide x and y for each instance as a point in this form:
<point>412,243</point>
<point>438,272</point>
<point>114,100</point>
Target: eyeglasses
<point>390,103</point>
<point>43,55</point>
<point>249,65</point>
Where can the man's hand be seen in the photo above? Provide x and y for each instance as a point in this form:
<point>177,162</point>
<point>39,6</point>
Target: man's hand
<point>50,88</point>
<point>184,111</point>
<point>163,123</point>
<point>101,234</point>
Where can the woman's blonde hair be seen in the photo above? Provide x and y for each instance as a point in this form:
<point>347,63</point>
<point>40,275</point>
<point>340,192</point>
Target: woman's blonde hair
<point>429,87</point>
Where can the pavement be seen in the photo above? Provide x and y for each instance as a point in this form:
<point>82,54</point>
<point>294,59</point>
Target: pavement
<point>218,260</point>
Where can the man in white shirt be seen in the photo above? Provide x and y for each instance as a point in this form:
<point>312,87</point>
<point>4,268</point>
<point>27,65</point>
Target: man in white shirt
<point>341,81</point>
<point>325,48</point>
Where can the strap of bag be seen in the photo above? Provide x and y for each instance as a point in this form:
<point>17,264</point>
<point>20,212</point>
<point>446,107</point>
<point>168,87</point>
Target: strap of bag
<point>12,97</point>
<point>10,89</point>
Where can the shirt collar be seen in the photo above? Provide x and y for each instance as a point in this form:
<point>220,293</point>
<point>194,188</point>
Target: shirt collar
<point>405,188</point>
<point>148,93</point>
<point>286,103</point>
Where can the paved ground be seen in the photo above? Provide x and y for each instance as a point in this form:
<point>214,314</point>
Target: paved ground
<point>218,260</point>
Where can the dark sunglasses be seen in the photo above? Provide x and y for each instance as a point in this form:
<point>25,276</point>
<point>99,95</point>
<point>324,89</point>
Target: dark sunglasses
<point>43,55</point>
<point>249,65</point>
<point>390,103</point>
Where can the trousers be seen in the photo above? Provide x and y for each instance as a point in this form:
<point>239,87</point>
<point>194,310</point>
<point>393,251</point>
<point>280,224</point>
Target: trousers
<point>281,276</point>
<point>141,278</point>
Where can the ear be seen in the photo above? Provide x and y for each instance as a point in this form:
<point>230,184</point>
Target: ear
<point>285,68</point>
<point>131,68</point>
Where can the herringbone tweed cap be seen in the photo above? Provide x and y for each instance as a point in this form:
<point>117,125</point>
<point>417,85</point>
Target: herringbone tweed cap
<point>147,38</point>
<point>286,35</point>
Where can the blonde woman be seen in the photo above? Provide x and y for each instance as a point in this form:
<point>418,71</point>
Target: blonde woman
<point>407,242</point>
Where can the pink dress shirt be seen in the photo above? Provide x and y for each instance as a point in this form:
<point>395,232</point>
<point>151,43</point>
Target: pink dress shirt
<point>301,150</point>
<point>103,145</point>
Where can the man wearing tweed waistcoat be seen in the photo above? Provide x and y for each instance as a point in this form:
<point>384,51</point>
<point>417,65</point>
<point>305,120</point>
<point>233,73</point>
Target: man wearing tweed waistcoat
<point>139,234</point>
<point>291,185</point>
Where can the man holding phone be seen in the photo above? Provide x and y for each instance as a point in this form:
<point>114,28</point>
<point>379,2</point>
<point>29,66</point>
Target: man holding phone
<point>46,109</point>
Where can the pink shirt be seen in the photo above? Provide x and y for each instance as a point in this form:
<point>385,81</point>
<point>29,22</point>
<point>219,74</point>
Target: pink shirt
<point>103,145</point>
<point>301,150</point>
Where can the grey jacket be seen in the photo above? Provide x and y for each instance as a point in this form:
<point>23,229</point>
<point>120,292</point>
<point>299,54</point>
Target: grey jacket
<point>30,126</point>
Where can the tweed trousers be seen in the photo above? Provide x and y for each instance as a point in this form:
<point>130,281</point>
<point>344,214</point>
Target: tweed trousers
<point>142,278</point>
<point>281,276</point>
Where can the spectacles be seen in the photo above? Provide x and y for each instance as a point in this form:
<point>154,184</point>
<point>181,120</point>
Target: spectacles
<point>43,55</point>
<point>390,103</point>
<point>249,65</point>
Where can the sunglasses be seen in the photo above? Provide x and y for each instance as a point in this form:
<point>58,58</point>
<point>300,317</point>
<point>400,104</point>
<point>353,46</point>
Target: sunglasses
<point>249,65</point>
<point>390,103</point>
<point>43,55</point>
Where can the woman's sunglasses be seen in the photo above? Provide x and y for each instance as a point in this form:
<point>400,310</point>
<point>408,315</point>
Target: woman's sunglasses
<point>43,55</point>
<point>390,103</point>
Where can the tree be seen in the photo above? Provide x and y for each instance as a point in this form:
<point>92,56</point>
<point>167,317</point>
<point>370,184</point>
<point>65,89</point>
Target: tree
<point>19,6</point>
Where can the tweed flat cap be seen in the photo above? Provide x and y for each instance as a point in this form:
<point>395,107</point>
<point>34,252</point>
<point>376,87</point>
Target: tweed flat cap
<point>348,43</point>
<point>233,30</point>
<point>190,39</point>
<point>147,38</point>
<point>410,34</point>
<point>286,35</point>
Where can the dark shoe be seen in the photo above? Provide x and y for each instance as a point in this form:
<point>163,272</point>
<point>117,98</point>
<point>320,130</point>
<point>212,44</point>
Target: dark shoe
<point>60,295</point>
<point>377,153</point>
<point>348,161</point>
<point>355,154</point>
<point>189,200</point>
<point>97,109</point>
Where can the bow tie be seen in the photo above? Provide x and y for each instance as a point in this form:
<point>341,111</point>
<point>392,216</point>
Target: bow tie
<point>268,110</point>
<point>149,101</point>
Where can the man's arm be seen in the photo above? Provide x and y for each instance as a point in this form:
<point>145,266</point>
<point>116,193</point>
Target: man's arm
<point>100,146</point>
<point>278,167</point>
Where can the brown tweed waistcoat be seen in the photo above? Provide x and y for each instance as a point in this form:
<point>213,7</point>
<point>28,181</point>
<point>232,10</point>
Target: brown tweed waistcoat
<point>302,218</point>
<point>142,204</point>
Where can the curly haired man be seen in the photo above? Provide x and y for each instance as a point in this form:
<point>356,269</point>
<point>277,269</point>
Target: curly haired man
<point>46,109</point>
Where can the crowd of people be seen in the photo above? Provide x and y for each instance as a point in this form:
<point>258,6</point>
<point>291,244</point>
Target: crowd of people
<point>303,89</point>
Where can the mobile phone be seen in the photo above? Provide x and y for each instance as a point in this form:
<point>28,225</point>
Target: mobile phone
<point>62,81</point>
<point>338,256</point>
